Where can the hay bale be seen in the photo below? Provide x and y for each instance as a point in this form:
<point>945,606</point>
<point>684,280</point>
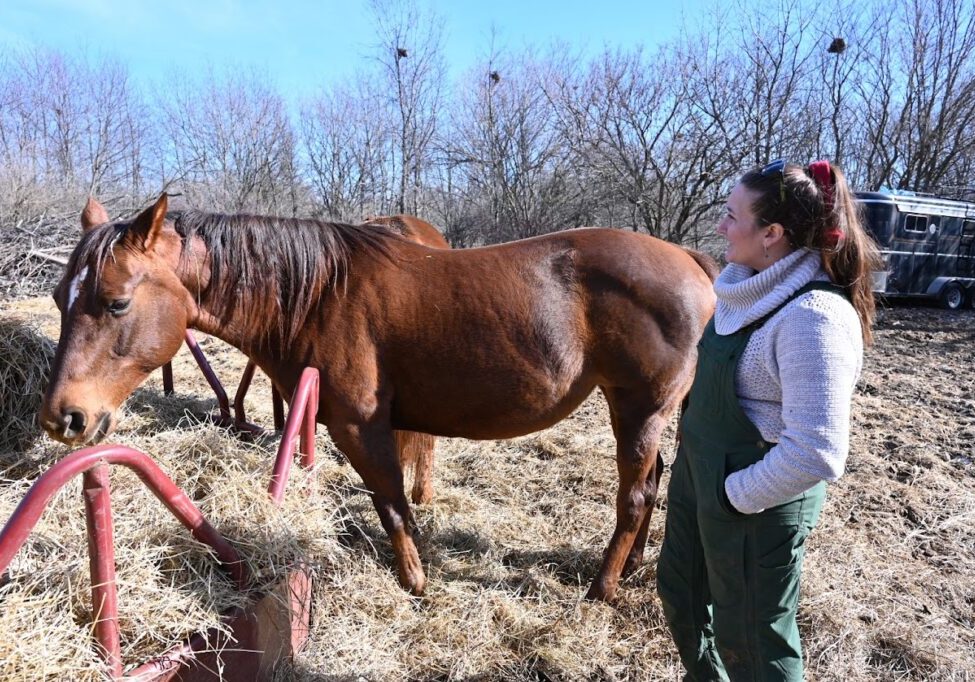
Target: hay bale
<point>25,364</point>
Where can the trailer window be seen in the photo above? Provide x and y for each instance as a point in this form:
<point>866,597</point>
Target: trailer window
<point>917,224</point>
<point>968,229</point>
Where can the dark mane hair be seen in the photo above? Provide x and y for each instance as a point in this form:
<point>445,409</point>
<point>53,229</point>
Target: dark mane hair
<point>95,248</point>
<point>266,273</point>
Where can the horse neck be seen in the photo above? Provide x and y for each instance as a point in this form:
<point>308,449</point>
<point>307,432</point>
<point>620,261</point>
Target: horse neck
<point>194,274</point>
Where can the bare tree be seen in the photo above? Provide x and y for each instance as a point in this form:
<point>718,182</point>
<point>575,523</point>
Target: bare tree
<point>839,61</point>
<point>230,145</point>
<point>939,107</point>
<point>347,141</point>
<point>878,92</point>
<point>410,55</point>
<point>917,95</point>
<point>643,139</point>
<point>716,141</point>
<point>650,141</point>
<point>772,54</point>
<point>510,163</point>
<point>619,115</point>
<point>69,127</point>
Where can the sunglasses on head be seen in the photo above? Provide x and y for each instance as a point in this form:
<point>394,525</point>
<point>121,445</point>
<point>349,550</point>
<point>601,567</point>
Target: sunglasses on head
<point>777,167</point>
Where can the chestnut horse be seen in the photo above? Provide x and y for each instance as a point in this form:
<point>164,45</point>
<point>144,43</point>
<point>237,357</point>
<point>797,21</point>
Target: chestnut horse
<point>482,343</point>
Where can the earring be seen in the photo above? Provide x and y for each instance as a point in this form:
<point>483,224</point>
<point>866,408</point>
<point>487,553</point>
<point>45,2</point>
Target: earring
<point>765,246</point>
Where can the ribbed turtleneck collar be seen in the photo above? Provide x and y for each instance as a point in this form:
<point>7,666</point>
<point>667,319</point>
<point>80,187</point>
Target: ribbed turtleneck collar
<point>745,295</point>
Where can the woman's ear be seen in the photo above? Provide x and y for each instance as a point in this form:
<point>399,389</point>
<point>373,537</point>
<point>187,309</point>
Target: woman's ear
<point>774,234</point>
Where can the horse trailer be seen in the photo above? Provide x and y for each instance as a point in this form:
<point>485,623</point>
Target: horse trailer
<point>927,243</point>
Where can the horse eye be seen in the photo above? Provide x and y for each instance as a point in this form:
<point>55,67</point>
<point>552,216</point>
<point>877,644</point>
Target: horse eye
<point>119,306</point>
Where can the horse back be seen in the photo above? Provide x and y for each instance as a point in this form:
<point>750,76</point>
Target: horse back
<point>412,228</point>
<point>570,281</point>
<point>534,324</point>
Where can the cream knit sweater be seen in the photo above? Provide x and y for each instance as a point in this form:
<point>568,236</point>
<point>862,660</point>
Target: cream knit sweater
<point>795,378</point>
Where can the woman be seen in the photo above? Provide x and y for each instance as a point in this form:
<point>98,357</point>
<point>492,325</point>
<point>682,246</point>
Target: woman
<point>767,420</point>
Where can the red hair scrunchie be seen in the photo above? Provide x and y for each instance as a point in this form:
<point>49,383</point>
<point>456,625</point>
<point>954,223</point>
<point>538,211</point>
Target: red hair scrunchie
<point>822,174</point>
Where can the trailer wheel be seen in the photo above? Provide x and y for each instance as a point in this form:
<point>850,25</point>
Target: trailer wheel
<point>952,296</point>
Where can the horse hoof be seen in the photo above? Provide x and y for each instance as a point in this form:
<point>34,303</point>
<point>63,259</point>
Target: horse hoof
<point>598,592</point>
<point>418,589</point>
<point>415,585</point>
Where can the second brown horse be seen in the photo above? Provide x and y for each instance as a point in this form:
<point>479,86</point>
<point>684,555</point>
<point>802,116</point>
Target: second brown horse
<point>480,343</point>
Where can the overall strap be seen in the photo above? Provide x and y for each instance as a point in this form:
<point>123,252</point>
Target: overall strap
<point>816,285</point>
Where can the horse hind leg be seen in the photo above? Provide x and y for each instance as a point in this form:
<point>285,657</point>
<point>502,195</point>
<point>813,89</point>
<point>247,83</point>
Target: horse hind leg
<point>652,484</point>
<point>638,423</point>
<point>415,451</point>
<point>635,557</point>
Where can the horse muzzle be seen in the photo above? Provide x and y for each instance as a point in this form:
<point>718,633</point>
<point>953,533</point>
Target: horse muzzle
<point>74,426</point>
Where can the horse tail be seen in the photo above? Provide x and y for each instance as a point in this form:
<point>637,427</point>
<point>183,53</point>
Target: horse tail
<point>707,263</point>
<point>415,452</point>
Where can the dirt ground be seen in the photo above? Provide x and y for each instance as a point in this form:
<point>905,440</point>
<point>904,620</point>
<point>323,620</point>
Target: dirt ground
<point>517,529</point>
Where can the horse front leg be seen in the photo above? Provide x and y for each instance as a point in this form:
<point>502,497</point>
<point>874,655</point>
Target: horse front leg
<point>371,450</point>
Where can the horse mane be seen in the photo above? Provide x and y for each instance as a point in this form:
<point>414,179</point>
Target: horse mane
<point>95,248</point>
<point>266,273</point>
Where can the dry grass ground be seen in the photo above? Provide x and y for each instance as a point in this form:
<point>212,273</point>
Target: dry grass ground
<point>511,541</point>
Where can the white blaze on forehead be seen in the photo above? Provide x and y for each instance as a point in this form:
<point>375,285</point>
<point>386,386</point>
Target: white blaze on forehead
<point>75,287</point>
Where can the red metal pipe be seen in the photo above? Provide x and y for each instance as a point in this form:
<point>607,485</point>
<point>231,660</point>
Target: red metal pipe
<point>211,378</point>
<point>308,426</point>
<point>93,462</point>
<point>25,517</point>
<point>96,491</point>
<point>301,404</point>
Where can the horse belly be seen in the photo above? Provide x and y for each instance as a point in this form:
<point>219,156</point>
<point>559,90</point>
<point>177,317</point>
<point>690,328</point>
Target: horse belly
<point>488,407</point>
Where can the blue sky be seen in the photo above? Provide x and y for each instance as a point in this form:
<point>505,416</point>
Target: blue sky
<point>304,44</point>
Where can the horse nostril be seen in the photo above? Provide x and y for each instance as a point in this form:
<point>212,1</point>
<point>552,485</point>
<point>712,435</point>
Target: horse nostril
<point>74,421</point>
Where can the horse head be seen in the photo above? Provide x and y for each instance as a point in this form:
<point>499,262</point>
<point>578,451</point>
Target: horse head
<point>123,311</point>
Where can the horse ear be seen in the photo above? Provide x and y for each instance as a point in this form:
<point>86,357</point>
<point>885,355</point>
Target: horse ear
<point>93,214</point>
<point>147,227</point>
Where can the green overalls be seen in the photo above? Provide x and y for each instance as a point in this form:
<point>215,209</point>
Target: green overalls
<point>729,582</point>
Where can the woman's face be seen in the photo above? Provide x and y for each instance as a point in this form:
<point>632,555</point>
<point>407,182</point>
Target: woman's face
<point>746,239</point>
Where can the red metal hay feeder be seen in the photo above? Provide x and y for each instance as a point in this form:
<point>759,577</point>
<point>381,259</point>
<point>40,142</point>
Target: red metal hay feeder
<point>223,417</point>
<point>273,627</point>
